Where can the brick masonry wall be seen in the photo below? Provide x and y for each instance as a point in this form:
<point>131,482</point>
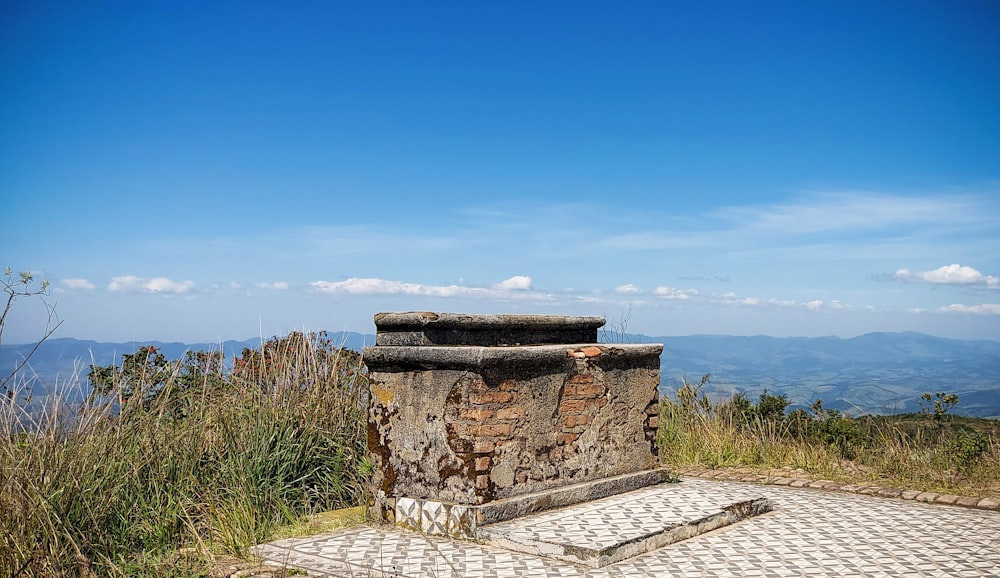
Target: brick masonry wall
<point>474,436</point>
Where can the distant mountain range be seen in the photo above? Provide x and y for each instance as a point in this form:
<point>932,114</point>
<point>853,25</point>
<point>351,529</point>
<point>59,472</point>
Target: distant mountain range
<point>872,373</point>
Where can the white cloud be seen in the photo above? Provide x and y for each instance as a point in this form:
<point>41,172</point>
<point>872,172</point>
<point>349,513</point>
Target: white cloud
<point>133,284</point>
<point>953,274</point>
<point>983,309</point>
<point>735,299</point>
<point>277,285</point>
<point>515,283</point>
<point>815,305</point>
<point>76,283</point>
<point>818,305</point>
<point>665,292</point>
<point>513,288</point>
<point>628,289</point>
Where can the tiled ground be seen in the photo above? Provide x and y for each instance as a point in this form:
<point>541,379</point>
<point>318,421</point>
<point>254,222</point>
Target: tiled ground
<point>617,527</point>
<point>810,533</point>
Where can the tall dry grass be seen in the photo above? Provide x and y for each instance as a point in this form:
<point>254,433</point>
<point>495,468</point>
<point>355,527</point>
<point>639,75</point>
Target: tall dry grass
<point>201,463</point>
<point>949,454</point>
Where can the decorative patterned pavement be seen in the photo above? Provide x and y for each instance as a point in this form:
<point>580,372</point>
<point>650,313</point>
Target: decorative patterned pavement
<point>615,528</point>
<point>809,533</point>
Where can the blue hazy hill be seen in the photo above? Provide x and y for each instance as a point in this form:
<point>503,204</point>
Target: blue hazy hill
<point>871,373</point>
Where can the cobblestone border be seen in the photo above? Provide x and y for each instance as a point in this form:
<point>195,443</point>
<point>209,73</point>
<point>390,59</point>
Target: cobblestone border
<point>772,479</point>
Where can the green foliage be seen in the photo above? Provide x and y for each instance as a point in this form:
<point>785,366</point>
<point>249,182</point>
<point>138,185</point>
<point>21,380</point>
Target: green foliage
<point>769,408</point>
<point>939,405</point>
<point>149,378</point>
<point>968,448</point>
<point>826,426</point>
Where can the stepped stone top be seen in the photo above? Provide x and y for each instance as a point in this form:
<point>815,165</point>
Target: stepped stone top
<point>421,328</point>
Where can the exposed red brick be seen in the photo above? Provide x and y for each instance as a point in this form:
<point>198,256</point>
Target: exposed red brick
<point>566,438</point>
<point>598,402</point>
<point>584,389</point>
<point>581,378</point>
<point>483,464</point>
<point>477,414</point>
<point>483,446</point>
<point>568,421</point>
<point>571,405</point>
<point>519,441</point>
<point>491,397</point>
<point>592,351</point>
<point>489,429</point>
<point>512,412</point>
<point>482,482</point>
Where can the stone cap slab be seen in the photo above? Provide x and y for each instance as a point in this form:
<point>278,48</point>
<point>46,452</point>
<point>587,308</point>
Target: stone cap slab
<point>410,358</point>
<point>421,328</point>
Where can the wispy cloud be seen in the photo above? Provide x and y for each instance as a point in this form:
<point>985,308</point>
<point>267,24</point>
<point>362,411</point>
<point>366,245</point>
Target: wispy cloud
<point>277,285</point>
<point>734,299</point>
<point>812,305</point>
<point>850,211</point>
<point>664,292</point>
<point>517,287</point>
<point>953,274</point>
<point>76,283</point>
<point>835,224</point>
<point>983,309</point>
<point>132,284</point>
<point>819,305</point>
<point>628,289</point>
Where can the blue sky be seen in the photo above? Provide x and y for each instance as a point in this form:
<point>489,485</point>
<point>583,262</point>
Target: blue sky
<point>201,171</point>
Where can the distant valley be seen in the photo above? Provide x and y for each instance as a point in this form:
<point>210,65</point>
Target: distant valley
<point>881,373</point>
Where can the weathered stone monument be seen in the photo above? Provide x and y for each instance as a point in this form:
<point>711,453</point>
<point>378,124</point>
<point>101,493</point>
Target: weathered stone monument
<point>476,419</point>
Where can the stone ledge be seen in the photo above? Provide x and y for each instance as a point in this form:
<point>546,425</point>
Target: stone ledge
<point>422,328</point>
<point>410,358</point>
<point>864,489</point>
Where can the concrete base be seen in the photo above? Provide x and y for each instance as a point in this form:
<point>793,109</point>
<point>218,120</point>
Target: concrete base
<point>601,532</point>
<point>461,521</point>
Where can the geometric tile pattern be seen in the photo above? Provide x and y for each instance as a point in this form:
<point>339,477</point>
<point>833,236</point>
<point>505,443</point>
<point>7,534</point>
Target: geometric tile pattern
<point>409,513</point>
<point>627,517</point>
<point>614,528</point>
<point>433,517</point>
<point>809,533</point>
